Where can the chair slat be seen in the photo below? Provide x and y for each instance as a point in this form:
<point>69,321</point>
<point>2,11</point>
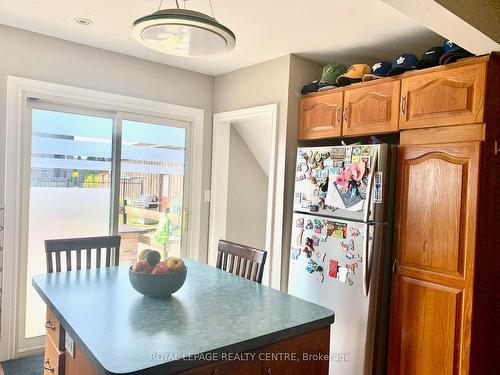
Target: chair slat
<point>249,270</point>
<point>48,259</point>
<point>98,258</point>
<point>88,260</point>
<point>224,265</point>
<point>108,256</point>
<point>117,255</point>
<point>253,276</point>
<point>219,260</point>
<point>231,265</point>
<point>79,259</point>
<point>243,268</point>
<point>238,264</point>
<point>68,260</point>
<point>58,262</point>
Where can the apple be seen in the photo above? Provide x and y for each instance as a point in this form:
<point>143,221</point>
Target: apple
<point>160,268</point>
<point>143,253</point>
<point>153,257</point>
<point>175,264</point>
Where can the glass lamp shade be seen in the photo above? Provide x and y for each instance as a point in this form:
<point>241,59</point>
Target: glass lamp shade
<point>183,32</point>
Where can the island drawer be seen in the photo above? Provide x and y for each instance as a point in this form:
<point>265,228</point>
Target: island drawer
<point>54,330</point>
<point>53,362</point>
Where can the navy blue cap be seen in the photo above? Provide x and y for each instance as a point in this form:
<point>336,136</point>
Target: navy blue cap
<point>453,52</point>
<point>403,63</point>
<point>379,70</point>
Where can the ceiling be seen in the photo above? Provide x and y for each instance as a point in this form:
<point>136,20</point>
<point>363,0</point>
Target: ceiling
<point>349,31</point>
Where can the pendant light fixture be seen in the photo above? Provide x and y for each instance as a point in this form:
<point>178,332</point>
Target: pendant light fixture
<point>183,32</point>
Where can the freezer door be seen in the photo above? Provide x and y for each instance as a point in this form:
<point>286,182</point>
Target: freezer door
<point>328,182</point>
<point>337,264</point>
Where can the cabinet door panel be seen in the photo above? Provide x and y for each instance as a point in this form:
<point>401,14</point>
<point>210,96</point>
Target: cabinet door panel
<point>320,116</point>
<point>371,109</point>
<point>436,208</point>
<point>449,97</point>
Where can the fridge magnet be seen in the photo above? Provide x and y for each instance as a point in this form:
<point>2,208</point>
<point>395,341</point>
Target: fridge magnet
<point>347,246</point>
<point>298,198</point>
<point>352,267</point>
<point>316,192</point>
<point>313,180</point>
<point>304,168</point>
<point>366,160</point>
<point>365,150</point>
<point>328,163</point>
<point>311,266</point>
<point>355,232</point>
<point>299,223</point>
<point>338,153</point>
<point>339,230</point>
<point>333,268</point>
<point>317,225</point>
<point>349,255</point>
<point>323,238</point>
<point>377,192</point>
<point>321,203</point>
<point>356,151</point>
<point>334,171</point>
<point>305,204</point>
<point>307,250</point>
<point>315,240</point>
<point>300,177</point>
<point>316,156</point>
<point>342,274</point>
<point>358,258</point>
<point>309,224</point>
<point>295,253</point>
<point>313,208</point>
<point>320,256</point>
<point>298,239</point>
<point>309,242</point>
<point>325,155</point>
<point>309,154</point>
<point>321,277</point>
<point>348,154</point>
<point>355,159</point>
<point>349,281</point>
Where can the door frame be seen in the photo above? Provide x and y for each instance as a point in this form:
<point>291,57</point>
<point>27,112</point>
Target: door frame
<point>18,91</point>
<point>219,187</point>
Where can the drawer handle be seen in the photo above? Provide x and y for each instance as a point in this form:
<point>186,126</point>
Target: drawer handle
<point>46,366</point>
<point>403,105</point>
<point>49,325</point>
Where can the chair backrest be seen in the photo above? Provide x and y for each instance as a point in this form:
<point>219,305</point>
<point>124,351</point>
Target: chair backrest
<point>241,260</point>
<point>54,248</point>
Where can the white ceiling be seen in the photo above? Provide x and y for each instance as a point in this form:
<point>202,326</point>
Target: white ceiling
<point>346,31</point>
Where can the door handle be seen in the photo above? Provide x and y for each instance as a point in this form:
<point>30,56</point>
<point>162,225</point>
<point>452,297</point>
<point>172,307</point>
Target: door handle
<point>46,366</point>
<point>49,325</point>
<point>345,114</point>
<point>337,118</point>
<point>394,267</point>
<point>403,105</point>
<point>368,243</point>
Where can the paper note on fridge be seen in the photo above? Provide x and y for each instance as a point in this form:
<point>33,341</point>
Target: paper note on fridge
<point>342,273</point>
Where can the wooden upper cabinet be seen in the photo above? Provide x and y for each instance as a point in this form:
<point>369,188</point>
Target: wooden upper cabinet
<point>435,245</point>
<point>443,97</point>
<point>371,109</point>
<point>321,116</point>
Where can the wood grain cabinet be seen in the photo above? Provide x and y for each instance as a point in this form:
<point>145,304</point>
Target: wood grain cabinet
<point>443,97</point>
<point>435,245</point>
<point>371,109</point>
<point>321,116</point>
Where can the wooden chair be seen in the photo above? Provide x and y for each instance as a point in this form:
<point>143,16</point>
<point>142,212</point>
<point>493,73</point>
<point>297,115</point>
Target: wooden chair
<point>79,245</point>
<point>244,261</point>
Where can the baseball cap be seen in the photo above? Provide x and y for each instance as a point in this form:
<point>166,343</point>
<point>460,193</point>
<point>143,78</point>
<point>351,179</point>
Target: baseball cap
<point>379,70</point>
<point>311,87</point>
<point>403,63</point>
<point>453,52</point>
<point>354,74</point>
<point>430,58</point>
<point>330,74</point>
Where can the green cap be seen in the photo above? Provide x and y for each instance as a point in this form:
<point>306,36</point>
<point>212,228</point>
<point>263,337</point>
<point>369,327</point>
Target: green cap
<point>331,72</point>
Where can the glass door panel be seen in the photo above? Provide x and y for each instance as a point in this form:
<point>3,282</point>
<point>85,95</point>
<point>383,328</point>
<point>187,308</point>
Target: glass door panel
<point>69,191</point>
<point>151,199</point>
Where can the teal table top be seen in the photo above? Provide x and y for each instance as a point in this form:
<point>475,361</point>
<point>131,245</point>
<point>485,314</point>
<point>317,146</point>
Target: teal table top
<point>123,332</point>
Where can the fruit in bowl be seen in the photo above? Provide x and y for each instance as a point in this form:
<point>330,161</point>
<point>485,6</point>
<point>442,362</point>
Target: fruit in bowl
<point>154,278</point>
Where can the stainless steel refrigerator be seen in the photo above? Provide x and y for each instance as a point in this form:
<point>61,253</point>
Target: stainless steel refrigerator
<point>341,247</point>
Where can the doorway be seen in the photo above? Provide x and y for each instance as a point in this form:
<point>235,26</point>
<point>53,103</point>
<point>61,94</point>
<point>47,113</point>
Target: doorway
<point>243,181</point>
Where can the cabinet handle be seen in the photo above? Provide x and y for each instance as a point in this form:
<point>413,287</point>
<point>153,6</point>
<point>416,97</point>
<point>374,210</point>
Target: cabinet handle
<point>269,371</point>
<point>403,105</point>
<point>345,114</point>
<point>46,366</point>
<point>49,325</point>
<point>338,115</point>
<point>394,267</point>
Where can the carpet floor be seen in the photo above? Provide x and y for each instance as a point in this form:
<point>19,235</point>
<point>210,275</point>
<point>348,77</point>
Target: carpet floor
<point>24,366</point>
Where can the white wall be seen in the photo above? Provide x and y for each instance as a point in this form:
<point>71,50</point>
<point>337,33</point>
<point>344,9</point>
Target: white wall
<point>246,195</point>
<point>40,57</point>
<point>274,81</point>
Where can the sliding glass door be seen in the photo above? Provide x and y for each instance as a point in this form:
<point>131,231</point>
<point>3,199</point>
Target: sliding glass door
<point>90,173</point>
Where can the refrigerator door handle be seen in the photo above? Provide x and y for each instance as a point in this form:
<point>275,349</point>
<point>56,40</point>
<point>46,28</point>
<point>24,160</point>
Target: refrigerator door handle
<point>367,251</point>
<point>369,188</point>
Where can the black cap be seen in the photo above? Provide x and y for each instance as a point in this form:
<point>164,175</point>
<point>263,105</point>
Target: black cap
<point>430,58</point>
